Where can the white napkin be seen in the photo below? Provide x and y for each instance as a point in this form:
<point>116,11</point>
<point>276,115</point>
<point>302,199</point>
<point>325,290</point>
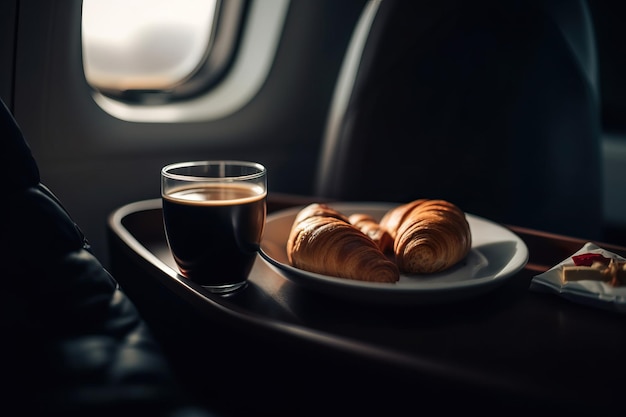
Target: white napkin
<point>593,293</point>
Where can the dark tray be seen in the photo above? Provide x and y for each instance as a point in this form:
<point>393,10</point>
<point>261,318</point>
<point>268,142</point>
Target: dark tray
<point>508,344</point>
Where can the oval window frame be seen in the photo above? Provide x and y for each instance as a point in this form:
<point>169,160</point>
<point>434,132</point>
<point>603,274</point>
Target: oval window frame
<point>232,85</point>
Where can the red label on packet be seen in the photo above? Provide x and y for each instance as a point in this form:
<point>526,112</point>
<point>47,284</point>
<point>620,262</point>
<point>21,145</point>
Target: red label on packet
<point>587,259</point>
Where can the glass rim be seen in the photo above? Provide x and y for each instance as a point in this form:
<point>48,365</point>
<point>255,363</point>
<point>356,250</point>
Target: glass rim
<point>186,177</point>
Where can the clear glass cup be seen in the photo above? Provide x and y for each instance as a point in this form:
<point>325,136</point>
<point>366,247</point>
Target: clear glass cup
<point>214,214</point>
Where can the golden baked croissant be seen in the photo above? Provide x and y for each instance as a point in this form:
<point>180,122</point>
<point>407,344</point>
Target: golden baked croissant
<point>429,235</point>
<point>368,225</point>
<point>323,241</point>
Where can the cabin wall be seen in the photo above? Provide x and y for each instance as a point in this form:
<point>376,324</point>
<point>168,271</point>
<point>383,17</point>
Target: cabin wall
<point>8,15</point>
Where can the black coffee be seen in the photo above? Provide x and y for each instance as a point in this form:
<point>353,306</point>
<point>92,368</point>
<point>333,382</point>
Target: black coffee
<point>214,231</point>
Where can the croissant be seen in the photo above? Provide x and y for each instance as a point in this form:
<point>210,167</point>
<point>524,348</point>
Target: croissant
<point>323,241</point>
<point>368,225</point>
<point>429,235</point>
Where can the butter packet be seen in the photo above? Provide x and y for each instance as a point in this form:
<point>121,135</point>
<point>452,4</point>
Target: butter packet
<point>591,292</point>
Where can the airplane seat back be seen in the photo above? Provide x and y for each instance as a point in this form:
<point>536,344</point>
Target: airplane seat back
<point>75,343</point>
<point>492,105</point>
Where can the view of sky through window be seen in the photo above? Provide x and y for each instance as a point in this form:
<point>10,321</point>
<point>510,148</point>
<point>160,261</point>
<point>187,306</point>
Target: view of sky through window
<point>144,44</point>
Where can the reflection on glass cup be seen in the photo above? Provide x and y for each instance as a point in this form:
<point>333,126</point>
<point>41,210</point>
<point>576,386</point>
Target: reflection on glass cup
<point>214,214</point>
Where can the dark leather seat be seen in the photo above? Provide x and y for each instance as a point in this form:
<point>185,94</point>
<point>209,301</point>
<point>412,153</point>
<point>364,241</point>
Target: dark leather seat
<point>72,341</point>
<point>492,105</point>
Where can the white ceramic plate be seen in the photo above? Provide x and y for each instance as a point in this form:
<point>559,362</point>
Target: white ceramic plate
<point>496,254</point>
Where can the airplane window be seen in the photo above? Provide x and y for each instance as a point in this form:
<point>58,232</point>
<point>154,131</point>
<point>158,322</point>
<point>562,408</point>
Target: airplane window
<point>133,49</point>
<point>243,37</point>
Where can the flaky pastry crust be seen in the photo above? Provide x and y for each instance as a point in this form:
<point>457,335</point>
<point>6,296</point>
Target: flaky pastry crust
<point>323,241</point>
<point>429,235</point>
